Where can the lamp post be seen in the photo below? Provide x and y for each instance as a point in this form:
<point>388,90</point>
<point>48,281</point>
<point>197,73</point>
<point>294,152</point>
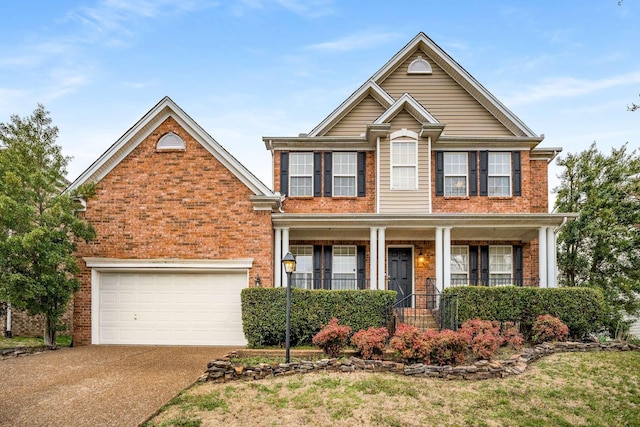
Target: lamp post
<point>289,263</point>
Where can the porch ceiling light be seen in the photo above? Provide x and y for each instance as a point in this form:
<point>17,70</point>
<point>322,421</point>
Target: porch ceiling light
<point>289,263</point>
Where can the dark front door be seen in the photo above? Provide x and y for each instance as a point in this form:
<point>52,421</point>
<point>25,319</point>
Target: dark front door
<point>401,272</point>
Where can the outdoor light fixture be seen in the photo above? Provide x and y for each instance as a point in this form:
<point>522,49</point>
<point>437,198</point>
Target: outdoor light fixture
<point>257,282</point>
<point>421,259</point>
<point>289,263</point>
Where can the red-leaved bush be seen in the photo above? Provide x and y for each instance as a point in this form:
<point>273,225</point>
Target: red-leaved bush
<point>408,344</point>
<point>548,328</point>
<point>333,338</point>
<point>445,347</point>
<point>370,342</point>
<point>512,336</point>
<point>483,336</point>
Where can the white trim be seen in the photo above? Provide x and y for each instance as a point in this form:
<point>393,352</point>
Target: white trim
<point>446,256</point>
<point>373,257</point>
<point>406,137</point>
<point>95,307</point>
<point>168,264</point>
<point>542,257</point>
<point>419,60</point>
<point>145,126</point>
<point>414,108</point>
<point>378,175</point>
<point>429,185</point>
<point>439,259</point>
<point>551,258</point>
<point>382,254</point>
<point>277,257</point>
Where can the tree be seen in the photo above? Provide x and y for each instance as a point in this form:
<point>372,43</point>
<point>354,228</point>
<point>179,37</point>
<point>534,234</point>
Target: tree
<point>38,225</point>
<point>601,248</point>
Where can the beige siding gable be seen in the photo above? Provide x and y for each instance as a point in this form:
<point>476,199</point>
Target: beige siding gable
<point>355,122</point>
<point>404,120</point>
<point>444,98</point>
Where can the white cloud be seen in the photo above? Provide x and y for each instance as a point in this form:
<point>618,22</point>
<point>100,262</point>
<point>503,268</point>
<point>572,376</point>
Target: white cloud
<point>569,87</point>
<point>363,40</point>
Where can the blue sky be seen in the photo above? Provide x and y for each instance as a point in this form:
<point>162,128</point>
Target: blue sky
<point>251,68</point>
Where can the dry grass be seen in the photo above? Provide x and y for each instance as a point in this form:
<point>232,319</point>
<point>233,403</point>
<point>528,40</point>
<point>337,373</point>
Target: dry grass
<point>61,340</point>
<point>588,389</point>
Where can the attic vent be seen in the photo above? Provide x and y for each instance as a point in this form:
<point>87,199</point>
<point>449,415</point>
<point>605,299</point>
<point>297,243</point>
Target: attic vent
<point>419,66</point>
<point>170,141</point>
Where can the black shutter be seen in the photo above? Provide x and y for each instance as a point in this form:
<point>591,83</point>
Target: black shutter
<point>484,265</point>
<point>328,184</point>
<point>361,267</point>
<point>439,173</point>
<point>473,265</point>
<point>517,265</point>
<point>284,173</point>
<point>326,283</point>
<point>317,174</point>
<point>362,175</point>
<point>317,267</point>
<point>484,172</point>
<point>517,173</point>
<point>473,173</point>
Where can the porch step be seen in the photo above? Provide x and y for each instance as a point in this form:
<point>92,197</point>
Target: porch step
<point>420,318</point>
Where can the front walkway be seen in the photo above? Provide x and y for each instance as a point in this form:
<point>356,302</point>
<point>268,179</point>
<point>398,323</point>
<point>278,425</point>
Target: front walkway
<point>97,385</point>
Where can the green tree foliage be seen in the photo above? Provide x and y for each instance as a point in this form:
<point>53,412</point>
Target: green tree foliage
<point>38,225</point>
<point>601,248</point>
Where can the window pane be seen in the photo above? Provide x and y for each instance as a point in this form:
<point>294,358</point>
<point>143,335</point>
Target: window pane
<point>301,163</point>
<point>344,268</point>
<point>499,186</point>
<point>301,186</point>
<point>404,153</point>
<point>344,186</point>
<point>344,163</point>
<point>459,259</point>
<point>500,260</point>
<point>499,163</point>
<point>455,186</point>
<point>303,276</point>
<point>404,178</point>
<point>455,163</point>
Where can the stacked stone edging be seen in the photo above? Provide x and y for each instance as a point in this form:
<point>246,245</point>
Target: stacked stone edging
<point>225,370</point>
<point>7,353</point>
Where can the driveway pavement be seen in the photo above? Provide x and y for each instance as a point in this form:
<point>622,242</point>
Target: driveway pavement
<point>97,385</point>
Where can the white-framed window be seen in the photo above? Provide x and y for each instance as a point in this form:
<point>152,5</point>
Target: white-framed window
<point>344,169</point>
<point>459,265</point>
<point>303,276</point>
<point>455,174</point>
<point>500,265</point>
<point>301,174</point>
<point>499,177</point>
<point>404,165</point>
<point>344,268</point>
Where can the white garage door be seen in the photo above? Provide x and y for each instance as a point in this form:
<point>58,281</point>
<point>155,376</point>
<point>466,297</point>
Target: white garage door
<point>171,308</point>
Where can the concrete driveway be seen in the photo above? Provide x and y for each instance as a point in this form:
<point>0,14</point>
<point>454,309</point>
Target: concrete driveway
<point>97,385</point>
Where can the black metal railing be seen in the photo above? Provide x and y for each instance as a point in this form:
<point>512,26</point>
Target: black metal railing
<point>329,284</point>
<point>418,309</point>
<point>496,281</point>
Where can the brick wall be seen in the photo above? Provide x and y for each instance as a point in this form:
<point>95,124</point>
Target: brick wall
<point>177,204</point>
<point>23,325</point>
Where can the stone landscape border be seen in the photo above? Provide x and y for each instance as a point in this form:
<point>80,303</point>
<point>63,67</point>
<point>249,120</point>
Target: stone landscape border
<point>225,370</point>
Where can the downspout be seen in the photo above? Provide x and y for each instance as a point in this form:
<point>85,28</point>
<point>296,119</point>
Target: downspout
<point>429,171</point>
<point>378,175</point>
<point>273,165</point>
<point>8,333</point>
<point>555,153</point>
<point>564,221</point>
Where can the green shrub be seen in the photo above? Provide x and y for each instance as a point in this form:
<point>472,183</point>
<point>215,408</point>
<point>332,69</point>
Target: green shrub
<point>264,312</point>
<point>333,338</point>
<point>581,309</point>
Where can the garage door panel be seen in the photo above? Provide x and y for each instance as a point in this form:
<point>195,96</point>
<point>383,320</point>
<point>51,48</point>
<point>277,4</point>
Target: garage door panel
<point>171,309</point>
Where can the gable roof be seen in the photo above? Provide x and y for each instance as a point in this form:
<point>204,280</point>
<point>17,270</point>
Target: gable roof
<point>451,67</point>
<point>138,132</point>
<point>413,107</point>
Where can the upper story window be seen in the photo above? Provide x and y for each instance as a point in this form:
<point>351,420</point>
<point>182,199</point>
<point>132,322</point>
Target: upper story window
<point>170,142</point>
<point>303,276</point>
<point>499,174</point>
<point>455,174</point>
<point>404,165</point>
<point>301,174</point>
<point>344,174</point>
<point>500,265</point>
<point>459,265</point>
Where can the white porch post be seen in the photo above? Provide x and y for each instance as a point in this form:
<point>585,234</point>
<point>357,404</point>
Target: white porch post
<point>373,258</point>
<point>285,250</point>
<point>277,258</point>
<point>446,257</point>
<point>542,256</point>
<point>551,258</point>
<point>439,254</point>
<point>381,258</point>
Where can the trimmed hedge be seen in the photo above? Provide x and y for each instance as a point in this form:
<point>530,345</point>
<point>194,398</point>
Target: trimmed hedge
<point>581,309</point>
<point>264,312</point>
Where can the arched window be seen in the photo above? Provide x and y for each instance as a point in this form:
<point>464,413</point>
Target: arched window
<point>170,141</point>
<point>419,66</point>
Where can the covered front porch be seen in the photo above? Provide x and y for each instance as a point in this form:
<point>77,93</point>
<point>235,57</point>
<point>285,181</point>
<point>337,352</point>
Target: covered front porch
<point>417,254</point>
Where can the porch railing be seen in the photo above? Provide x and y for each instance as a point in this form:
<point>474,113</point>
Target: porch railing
<point>330,284</point>
<point>496,281</point>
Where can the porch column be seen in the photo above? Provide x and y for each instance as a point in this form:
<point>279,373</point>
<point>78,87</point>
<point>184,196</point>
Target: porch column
<point>277,258</point>
<point>381,258</point>
<point>439,254</point>
<point>551,258</point>
<point>285,250</point>
<point>373,258</point>
<point>542,256</point>
<point>446,257</point>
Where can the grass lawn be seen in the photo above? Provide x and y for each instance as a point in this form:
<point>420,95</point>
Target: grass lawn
<point>61,340</point>
<point>568,389</point>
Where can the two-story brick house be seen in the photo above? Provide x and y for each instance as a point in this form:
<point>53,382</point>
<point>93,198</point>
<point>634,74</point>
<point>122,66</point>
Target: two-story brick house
<point>420,174</point>
<point>420,180</point>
